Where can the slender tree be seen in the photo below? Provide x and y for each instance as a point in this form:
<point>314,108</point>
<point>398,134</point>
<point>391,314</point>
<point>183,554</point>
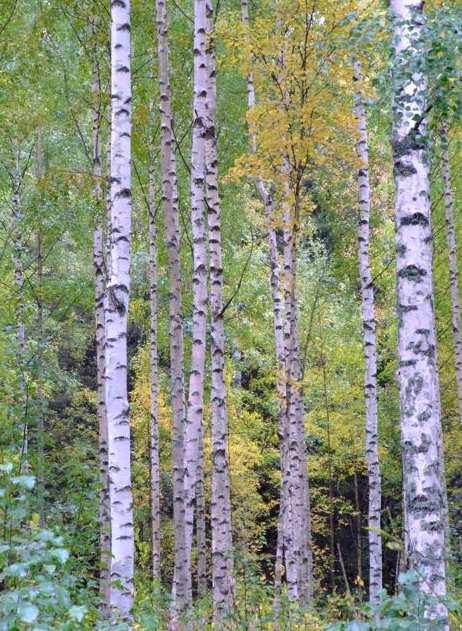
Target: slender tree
<point>100,288</point>
<point>194,419</point>
<point>40,364</point>
<point>116,312</point>
<point>201,540</point>
<point>169,194</point>
<point>370,348</point>
<point>296,539</point>
<point>298,566</point>
<point>222,543</point>
<point>423,483</point>
<point>452,260</point>
<point>154,380</point>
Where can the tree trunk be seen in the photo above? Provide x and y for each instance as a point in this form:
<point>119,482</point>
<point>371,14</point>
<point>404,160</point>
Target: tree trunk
<point>116,316</point>
<point>359,539</point>
<point>169,190</point>
<point>370,350</point>
<point>154,364</point>
<point>452,259</point>
<point>100,288</point>
<point>194,419</point>
<point>419,388</point>
<point>297,540</point>
<point>284,545</point>
<point>222,544</point>
<point>17,217</point>
<point>293,522</point>
<point>40,422</point>
<point>200,524</point>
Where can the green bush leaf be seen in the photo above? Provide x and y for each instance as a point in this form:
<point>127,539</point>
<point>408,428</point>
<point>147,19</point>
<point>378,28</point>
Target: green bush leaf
<point>77,613</point>
<point>25,481</point>
<point>28,613</point>
<point>60,553</point>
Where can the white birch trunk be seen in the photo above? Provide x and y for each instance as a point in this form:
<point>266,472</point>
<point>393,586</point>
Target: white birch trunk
<point>452,259</point>
<point>293,523</point>
<point>222,544</point>
<point>370,350</point>
<point>100,287</point>
<point>154,369</point>
<point>169,191</point>
<point>194,419</point>
<point>418,379</point>
<point>278,327</point>
<point>200,524</point>
<point>116,316</point>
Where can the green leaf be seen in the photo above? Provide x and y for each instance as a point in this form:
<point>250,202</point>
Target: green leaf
<point>61,554</point>
<point>77,613</point>
<point>16,569</point>
<point>51,569</point>
<point>25,481</point>
<point>28,613</point>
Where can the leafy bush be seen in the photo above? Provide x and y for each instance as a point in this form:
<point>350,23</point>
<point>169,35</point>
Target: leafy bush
<point>35,590</point>
<point>404,611</point>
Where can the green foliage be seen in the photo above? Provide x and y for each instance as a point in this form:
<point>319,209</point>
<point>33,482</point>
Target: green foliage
<point>37,590</point>
<point>405,611</point>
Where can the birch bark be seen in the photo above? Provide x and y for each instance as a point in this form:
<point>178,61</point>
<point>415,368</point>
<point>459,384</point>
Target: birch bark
<point>194,419</point>
<point>293,522</point>
<point>116,312</point>
<point>169,193</point>
<point>200,524</point>
<point>419,388</point>
<point>100,289</point>
<point>154,369</point>
<point>452,259</point>
<point>370,349</point>
<point>278,328</point>
<point>222,544</point>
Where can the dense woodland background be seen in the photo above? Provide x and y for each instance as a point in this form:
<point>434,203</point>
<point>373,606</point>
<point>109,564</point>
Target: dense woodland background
<point>55,74</point>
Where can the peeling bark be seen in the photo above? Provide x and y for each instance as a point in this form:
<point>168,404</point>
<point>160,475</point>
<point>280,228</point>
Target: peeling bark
<point>169,193</point>
<point>195,412</point>
<point>200,523</point>
<point>100,289</point>
<point>116,319</point>
<point>154,380</point>
<point>222,544</point>
<point>418,377</point>
<point>369,349</point>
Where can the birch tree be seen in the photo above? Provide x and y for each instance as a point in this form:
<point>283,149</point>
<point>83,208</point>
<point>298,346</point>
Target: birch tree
<point>194,420</point>
<point>296,539</point>
<point>423,485</point>
<point>222,543</point>
<point>298,563</point>
<point>369,346</point>
<point>116,312</point>
<point>452,260</point>
<point>154,380</point>
<point>169,195</point>
<point>100,288</point>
